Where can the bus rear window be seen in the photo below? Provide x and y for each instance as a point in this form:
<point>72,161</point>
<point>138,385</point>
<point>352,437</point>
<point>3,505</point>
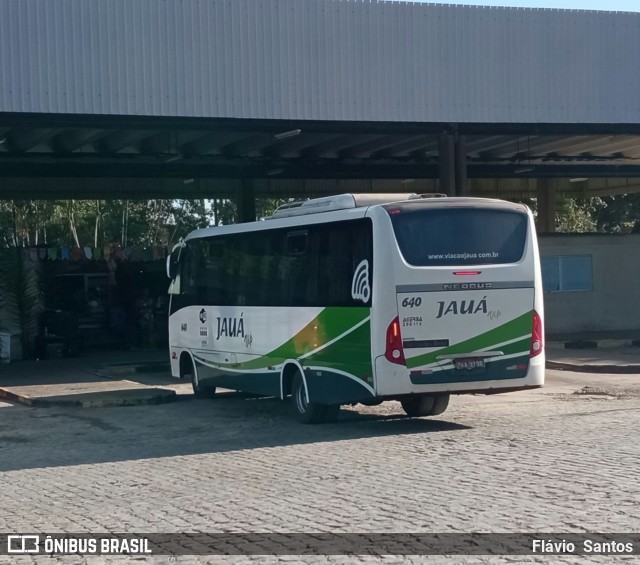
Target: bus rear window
<point>459,236</point>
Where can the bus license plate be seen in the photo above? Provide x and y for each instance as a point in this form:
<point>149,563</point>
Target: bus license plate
<point>469,364</point>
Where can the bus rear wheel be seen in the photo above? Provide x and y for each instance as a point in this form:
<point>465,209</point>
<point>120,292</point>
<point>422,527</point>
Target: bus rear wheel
<point>426,405</point>
<point>310,412</point>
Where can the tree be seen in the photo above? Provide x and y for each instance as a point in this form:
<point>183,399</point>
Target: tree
<point>21,296</point>
<point>618,214</point>
<point>103,222</point>
<point>574,215</point>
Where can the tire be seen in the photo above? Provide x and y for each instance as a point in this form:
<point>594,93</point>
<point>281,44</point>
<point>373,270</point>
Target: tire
<point>331,412</point>
<point>309,412</point>
<point>427,405</point>
<point>199,390</point>
<point>374,402</point>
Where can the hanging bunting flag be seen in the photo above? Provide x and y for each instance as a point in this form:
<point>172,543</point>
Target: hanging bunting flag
<point>77,254</point>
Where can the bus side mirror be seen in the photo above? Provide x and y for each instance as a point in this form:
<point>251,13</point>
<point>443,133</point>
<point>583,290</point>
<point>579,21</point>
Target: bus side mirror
<point>172,264</point>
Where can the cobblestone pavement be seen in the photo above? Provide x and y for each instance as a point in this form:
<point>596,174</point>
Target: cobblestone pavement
<point>546,460</point>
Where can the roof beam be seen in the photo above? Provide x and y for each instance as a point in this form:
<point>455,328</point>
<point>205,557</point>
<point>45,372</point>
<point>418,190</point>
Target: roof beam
<point>21,140</point>
<point>420,143</point>
<point>295,145</point>
<point>567,145</point>
<point>246,146</point>
<point>333,146</point>
<point>211,143</point>
<point>363,150</point>
<point>488,147</point>
<point>168,142</point>
<point>119,140</point>
<point>72,139</point>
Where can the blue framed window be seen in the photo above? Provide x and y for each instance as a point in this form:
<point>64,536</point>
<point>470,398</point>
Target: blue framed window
<point>567,273</point>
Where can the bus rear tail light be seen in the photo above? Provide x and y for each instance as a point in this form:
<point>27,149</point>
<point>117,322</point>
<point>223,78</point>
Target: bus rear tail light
<point>394,352</point>
<point>536,335</point>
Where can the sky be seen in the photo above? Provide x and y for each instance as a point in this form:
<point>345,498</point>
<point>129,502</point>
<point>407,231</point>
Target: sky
<point>609,5</point>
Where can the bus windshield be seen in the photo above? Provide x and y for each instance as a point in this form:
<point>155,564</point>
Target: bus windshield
<point>458,236</point>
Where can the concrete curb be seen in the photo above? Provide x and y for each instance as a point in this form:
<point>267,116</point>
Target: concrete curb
<point>122,370</point>
<point>97,400</point>
<point>594,344</point>
<point>590,368</point>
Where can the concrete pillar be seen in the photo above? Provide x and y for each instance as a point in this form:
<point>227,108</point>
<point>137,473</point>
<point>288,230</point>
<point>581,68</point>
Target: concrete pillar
<point>246,202</point>
<point>446,165</point>
<point>546,206</point>
<point>460,157</point>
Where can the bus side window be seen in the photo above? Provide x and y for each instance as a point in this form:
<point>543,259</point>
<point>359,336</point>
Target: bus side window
<point>267,271</point>
<point>343,248</point>
<point>249,250</point>
<point>214,277</point>
<point>297,271</point>
<point>338,265</point>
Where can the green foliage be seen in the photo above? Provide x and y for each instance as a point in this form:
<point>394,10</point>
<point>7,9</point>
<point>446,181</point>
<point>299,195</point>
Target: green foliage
<point>618,214</point>
<point>267,206</point>
<point>608,214</point>
<point>147,222</point>
<point>103,222</point>
<point>576,215</point>
<point>9,312</point>
<point>21,296</point>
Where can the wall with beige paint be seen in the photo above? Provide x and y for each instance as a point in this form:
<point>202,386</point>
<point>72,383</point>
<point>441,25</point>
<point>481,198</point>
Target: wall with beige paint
<point>613,303</point>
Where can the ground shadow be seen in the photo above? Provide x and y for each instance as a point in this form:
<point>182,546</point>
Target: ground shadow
<point>48,437</point>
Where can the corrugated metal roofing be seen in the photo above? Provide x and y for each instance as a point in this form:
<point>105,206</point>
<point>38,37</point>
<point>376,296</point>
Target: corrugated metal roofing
<point>320,60</point>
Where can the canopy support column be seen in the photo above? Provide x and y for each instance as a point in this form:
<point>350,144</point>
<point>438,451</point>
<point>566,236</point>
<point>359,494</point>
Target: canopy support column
<point>246,202</point>
<point>460,155</point>
<point>446,165</point>
<point>546,206</point>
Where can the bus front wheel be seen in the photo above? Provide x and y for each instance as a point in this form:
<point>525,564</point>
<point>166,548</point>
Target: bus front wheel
<point>427,405</point>
<point>199,390</point>
<point>310,412</point>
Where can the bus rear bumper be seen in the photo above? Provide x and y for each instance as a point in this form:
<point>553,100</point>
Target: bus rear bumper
<point>396,380</point>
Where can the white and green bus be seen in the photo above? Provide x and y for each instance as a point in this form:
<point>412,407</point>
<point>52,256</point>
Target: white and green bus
<point>361,298</point>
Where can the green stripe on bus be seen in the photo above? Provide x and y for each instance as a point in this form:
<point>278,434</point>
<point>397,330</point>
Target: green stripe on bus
<point>328,325</point>
<point>518,326</point>
<point>351,354</point>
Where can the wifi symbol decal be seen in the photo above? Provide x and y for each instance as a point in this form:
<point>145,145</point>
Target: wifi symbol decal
<point>360,289</point>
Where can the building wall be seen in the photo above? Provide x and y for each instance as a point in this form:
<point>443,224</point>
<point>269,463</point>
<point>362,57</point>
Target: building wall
<point>614,301</point>
<point>319,60</point>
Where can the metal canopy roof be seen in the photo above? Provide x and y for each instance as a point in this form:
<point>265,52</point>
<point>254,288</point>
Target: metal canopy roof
<point>104,98</point>
<point>126,147</point>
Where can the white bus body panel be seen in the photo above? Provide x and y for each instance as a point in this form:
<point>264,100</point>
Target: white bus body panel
<point>436,315</point>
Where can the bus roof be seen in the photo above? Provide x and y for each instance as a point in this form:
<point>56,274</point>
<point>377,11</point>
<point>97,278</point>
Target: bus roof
<point>338,207</point>
<point>344,202</point>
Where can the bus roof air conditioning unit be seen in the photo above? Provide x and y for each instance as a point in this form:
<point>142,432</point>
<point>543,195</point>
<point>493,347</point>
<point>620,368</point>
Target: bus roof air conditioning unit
<point>338,202</point>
